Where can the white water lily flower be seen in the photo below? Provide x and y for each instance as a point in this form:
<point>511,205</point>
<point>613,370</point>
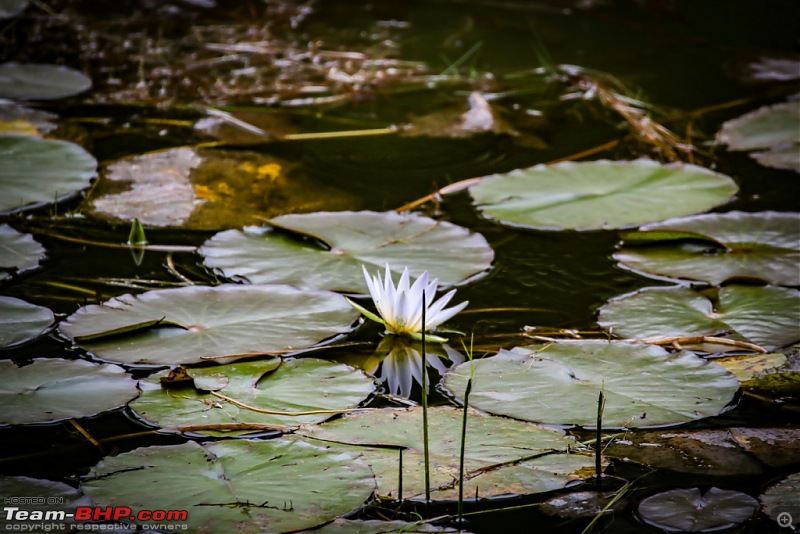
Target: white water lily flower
<point>400,308</point>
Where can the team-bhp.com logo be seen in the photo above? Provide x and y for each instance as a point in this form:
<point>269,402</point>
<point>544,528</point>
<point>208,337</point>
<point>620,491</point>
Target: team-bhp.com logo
<point>18,519</point>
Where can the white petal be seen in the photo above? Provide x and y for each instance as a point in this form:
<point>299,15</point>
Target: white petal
<point>436,307</point>
<point>402,285</point>
<point>374,292</point>
<point>444,315</point>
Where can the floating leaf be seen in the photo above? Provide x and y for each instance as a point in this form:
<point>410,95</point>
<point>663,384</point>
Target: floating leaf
<point>745,368</point>
<point>21,321</point>
<point>690,510</point>
<point>718,247</point>
<point>775,447</point>
<point>582,504</point>
<point>277,485</point>
<point>448,252</point>
<point>39,171</point>
<point>765,69</point>
<point>489,441</point>
<point>193,324</point>
<point>38,495</point>
<point>19,252</point>
<point>781,498</point>
<point>306,384</point>
<point>32,81</point>
<point>599,194</point>
<point>767,316</point>
<point>207,189</point>
<point>773,128</point>
<point>16,119</point>
<point>50,390</point>
<point>644,385</point>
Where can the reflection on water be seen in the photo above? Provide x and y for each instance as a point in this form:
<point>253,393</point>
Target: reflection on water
<point>397,363</point>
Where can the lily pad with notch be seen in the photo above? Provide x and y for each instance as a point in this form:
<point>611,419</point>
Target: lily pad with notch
<point>599,194</point>
<point>18,252</point>
<point>35,172</point>
<point>644,385</point>
<point>21,322</point>
<point>195,324</point>
<point>770,129</point>
<point>718,247</point>
<point>50,390</point>
<point>245,392</point>
<point>767,316</point>
<point>537,457</point>
<point>341,242</point>
<point>277,485</point>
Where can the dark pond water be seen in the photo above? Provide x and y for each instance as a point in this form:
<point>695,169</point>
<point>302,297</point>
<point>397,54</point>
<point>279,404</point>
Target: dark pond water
<point>675,55</point>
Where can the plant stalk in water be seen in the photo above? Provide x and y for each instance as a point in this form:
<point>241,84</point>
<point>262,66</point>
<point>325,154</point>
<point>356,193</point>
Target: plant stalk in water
<point>467,391</point>
<point>425,409</point>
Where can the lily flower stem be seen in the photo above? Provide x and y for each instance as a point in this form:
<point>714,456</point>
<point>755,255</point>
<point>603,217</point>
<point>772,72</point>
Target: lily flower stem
<point>425,409</point>
<point>463,447</point>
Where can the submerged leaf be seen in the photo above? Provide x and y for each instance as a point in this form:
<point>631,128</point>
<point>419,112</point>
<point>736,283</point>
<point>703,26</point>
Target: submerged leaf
<point>208,189</point>
<point>50,390</point>
<point>195,324</point>
<point>644,385</point>
<point>248,487</point>
<point>599,194</point>
<point>448,252</point>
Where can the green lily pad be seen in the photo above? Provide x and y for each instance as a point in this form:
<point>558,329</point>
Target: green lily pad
<point>34,172</point>
<point>50,390</point>
<point>208,189</point>
<point>448,252</point>
<point>16,119</point>
<point>21,321</point>
<point>599,194</point>
<point>767,316</point>
<point>781,498</point>
<point>747,367</point>
<point>277,485</point>
<point>33,81</point>
<point>301,385</point>
<point>773,128</point>
<point>690,510</point>
<point>774,447</point>
<point>195,324</point>
<point>644,385</point>
<point>18,252</point>
<point>717,247</point>
<point>490,441</point>
<point>38,495</point>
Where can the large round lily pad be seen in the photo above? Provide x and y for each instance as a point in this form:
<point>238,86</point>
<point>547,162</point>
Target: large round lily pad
<point>781,499</point>
<point>38,171</point>
<point>208,189</point>
<point>599,194</point>
<point>447,251</point>
<point>644,385</point>
<point>50,390</point>
<point>278,485</point>
<point>18,252</point>
<point>194,324</point>
<point>21,321</point>
<point>771,128</point>
<point>490,441</point>
<point>717,247</point>
<point>306,384</point>
<point>767,316</point>
<point>690,510</point>
<point>34,81</point>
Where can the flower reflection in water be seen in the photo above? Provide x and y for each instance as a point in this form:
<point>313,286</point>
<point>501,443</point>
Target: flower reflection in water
<point>400,361</point>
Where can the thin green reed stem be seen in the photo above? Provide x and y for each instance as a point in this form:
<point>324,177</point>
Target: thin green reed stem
<point>425,408</point>
<point>467,391</point>
<point>598,460</point>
